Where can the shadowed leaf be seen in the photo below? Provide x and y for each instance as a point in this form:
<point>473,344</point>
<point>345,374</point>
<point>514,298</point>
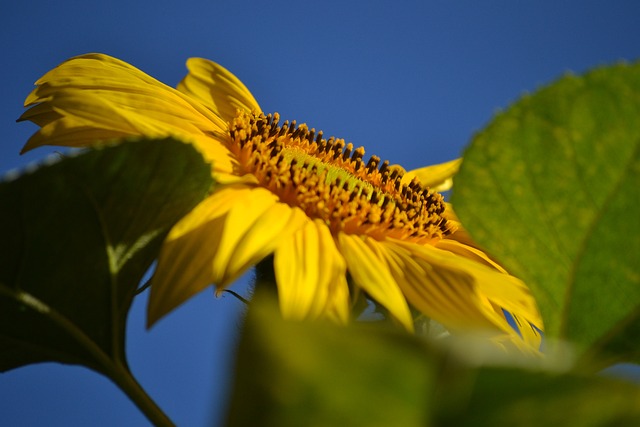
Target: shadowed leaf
<point>77,237</point>
<point>511,397</point>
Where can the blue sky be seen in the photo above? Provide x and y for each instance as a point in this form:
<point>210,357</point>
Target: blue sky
<point>410,80</point>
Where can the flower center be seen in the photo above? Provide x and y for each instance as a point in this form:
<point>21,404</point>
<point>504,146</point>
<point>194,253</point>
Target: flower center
<point>328,180</point>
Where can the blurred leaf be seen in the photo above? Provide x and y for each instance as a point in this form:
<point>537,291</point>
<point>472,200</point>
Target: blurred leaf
<point>315,374</point>
<point>77,237</point>
<point>511,397</point>
<point>552,188</point>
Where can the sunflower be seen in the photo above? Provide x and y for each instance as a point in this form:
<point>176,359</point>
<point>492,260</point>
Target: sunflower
<point>336,225</point>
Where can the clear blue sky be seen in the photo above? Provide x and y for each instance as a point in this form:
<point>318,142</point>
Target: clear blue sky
<point>409,80</point>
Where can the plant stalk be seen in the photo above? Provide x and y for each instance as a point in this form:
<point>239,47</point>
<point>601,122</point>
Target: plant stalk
<point>130,386</point>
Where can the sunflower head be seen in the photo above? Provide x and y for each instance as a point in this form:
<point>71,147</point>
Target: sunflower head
<point>329,180</point>
<point>314,203</point>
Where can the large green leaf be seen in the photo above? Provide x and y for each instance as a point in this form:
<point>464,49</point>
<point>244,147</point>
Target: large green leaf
<point>314,374</point>
<point>552,188</point>
<point>77,237</point>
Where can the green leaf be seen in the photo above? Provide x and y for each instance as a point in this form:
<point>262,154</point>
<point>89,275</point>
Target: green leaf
<point>77,237</point>
<point>315,374</point>
<point>511,397</point>
<point>552,188</point>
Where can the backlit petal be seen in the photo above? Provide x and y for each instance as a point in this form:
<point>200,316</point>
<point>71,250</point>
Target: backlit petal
<point>468,252</point>
<point>441,294</point>
<point>437,177</point>
<point>368,266</point>
<point>529,332</point>
<point>217,88</point>
<point>460,235</point>
<point>479,289</point>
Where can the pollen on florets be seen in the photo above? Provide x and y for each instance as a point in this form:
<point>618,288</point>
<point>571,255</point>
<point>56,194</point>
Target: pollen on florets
<point>329,180</point>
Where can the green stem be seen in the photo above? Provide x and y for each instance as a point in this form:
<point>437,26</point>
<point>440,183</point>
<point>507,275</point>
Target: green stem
<point>128,384</point>
<point>112,368</point>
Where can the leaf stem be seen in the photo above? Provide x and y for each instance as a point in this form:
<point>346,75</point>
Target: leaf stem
<point>123,378</point>
<point>112,368</point>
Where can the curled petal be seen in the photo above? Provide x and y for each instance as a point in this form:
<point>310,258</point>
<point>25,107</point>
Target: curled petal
<point>96,97</point>
<point>125,87</point>
<point>218,89</point>
<point>469,252</point>
<point>437,177</point>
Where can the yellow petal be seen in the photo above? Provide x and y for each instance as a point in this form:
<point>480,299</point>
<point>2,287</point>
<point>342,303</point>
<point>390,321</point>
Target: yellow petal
<point>227,233</point>
<point>460,234</point>
<point>487,285</point>
<point>510,294</point>
<point>213,207</point>
<point>99,72</point>
<point>468,252</point>
<point>141,110</point>
<point>96,97</point>
<point>368,267</point>
<point>253,229</point>
<point>439,292</point>
<point>218,89</point>
<point>437,177</point>
<point>311,275</point>
<point>216,242</point>
<point>184,265</point>
<point>338,303</point>
<point>528,331</point>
